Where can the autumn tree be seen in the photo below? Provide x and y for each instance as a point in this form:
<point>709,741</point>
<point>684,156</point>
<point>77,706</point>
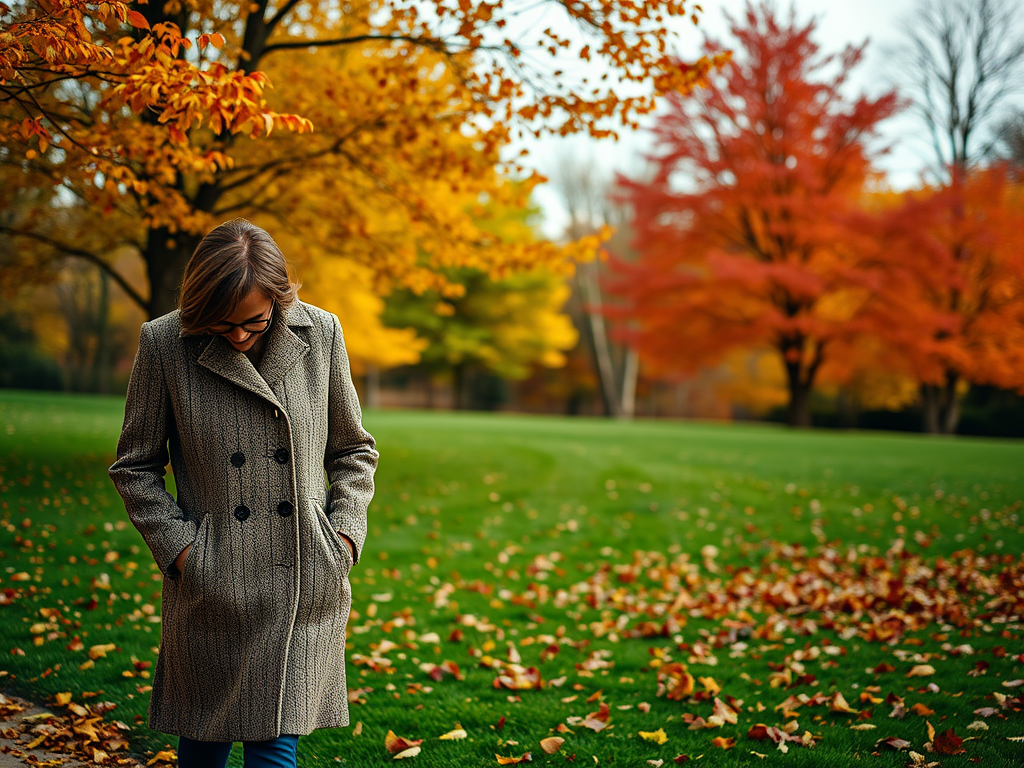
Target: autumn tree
<point>505,328</point>
<point>961,61</point>
<point>748,232</point>
<point>970,238</point>
<point>387,120</point>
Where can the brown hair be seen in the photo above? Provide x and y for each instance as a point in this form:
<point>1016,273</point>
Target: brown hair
<point>233,259</point>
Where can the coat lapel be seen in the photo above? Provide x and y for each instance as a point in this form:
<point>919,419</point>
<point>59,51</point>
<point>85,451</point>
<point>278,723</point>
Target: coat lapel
<point>284,350</point>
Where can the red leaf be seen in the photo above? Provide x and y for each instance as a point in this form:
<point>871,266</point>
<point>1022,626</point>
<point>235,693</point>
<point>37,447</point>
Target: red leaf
<point>949,743</point>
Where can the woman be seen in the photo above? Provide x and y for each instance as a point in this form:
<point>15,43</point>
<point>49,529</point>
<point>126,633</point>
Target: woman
<point>248,392</point>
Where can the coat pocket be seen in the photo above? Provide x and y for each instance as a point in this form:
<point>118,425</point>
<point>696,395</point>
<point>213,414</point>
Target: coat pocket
<point>189,569</point>
<point>334,539</point>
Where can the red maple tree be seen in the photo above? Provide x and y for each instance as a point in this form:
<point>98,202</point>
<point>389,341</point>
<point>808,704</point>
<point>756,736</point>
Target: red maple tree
<point>750,230</point>
<point>968,237</point>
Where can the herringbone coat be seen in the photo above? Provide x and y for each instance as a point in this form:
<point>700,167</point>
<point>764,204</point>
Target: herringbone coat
<point>252,641</point>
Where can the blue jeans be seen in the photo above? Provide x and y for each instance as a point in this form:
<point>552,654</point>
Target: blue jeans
<point>275,753</point>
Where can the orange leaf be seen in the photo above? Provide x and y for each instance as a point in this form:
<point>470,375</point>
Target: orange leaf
<point>524,758</point>
<point>137,20</point>
<point>725,742</point>
<point>551,744</point>
<point>395,744</point>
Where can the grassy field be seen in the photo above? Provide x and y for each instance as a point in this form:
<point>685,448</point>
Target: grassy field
<point>615,559</point>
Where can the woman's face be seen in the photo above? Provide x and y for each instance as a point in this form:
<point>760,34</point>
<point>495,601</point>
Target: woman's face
<point>255,306</point>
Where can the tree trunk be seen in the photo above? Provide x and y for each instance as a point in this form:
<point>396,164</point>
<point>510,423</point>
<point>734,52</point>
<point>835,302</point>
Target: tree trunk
<point>951,416</point>
<point>930,408</point>
<point>166,255</point>
<point>940,406</point>
<point>630,374</point>
<point>598,337</point>
<point>798,413</point>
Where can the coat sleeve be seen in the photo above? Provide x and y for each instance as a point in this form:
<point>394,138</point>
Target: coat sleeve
<point>138,472</point>
<point>351,456</point>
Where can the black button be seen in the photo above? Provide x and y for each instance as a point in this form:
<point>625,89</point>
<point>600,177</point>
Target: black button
<point>281,455</point>
<point>285,508</point>
<point>242,512</point>
<point>237,459</point>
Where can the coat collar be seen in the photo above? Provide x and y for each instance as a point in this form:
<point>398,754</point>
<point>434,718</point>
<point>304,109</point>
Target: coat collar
<point>284,349</point>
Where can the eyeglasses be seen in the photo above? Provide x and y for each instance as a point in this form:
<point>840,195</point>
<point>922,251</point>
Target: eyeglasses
<point>249,326</point>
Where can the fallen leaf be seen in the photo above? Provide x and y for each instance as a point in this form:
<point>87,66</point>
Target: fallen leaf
<point>895,742</point>
<point>552,744</point>
<point>395,744</point>
<point>524,758</point>
<point>657,736</point>
<point>725,742</point>
<point>839,704</point>
<point>949,743</point>
<point>921,670</point>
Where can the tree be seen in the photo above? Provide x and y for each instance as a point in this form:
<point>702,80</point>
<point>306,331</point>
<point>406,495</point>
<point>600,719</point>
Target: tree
<point>763,246</point>
<point>961,61</point>
<point>148,117</point>
<point>586,196</point>
<point>502,327</point>
<point>971,236</point>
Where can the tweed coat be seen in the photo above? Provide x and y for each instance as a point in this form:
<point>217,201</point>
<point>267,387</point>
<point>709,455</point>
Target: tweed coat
<point>270,466</point>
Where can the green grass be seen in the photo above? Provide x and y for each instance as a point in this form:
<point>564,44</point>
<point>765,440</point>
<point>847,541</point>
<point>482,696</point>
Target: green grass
<point>517,520</point>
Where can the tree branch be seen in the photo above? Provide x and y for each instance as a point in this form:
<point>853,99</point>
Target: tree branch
<point>70,250</point>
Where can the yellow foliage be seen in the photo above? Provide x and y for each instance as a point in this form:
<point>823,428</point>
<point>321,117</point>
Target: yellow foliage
<point>346,288</point>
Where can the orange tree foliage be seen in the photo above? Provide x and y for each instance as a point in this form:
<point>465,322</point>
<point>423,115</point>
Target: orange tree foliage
<point>750,232</point>
<point>384,128</point>
<point>968,237</point>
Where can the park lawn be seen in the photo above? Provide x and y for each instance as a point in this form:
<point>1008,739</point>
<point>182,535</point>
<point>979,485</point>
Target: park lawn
<point>608,554</point>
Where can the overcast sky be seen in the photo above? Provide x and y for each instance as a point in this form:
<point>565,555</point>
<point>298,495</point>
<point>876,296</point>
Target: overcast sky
<point>840,22</point>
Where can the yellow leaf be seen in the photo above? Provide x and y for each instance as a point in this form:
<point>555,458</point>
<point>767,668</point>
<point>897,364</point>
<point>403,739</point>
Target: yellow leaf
<point>839,704</point>
<point>458,733</point>
<point>656,736</point>
<point>36,741</point>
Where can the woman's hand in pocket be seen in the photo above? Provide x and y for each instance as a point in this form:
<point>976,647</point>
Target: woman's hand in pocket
<point>348,543</point>
<point>179,561</point>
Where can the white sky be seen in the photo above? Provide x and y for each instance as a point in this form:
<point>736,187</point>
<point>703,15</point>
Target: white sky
<point>840,22</point>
